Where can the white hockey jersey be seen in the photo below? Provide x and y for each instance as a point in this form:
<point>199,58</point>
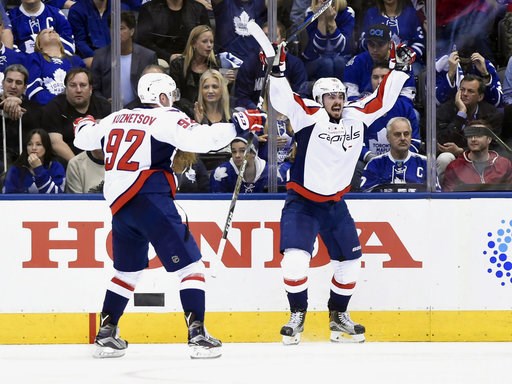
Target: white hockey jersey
<point>137,143</point>
<point>327,151</point>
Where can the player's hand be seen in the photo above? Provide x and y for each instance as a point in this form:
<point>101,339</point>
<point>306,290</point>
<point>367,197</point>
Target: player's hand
<point>80,122</point>
<point>279,64</point>
<point>401,57</point>
<point>250,119</point>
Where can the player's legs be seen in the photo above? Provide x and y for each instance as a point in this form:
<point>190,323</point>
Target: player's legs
<point>342,242</point>
<point>130,250</point>
<point>299,229</point>
<point>178,252</point>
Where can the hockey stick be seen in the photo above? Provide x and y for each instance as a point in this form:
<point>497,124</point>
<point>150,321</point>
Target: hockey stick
<point>501,142</point>
<point>307,21</point>
<point>255,30</point>
<point>266,46</point>
<point>217,260</point>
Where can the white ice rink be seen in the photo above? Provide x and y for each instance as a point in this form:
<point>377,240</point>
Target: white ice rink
<point>397,363</point>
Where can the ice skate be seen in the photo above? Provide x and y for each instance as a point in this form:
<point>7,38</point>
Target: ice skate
<point>292,330</point>
<point>202,345</point>
<point>343,329</point>
<point>107,342</point>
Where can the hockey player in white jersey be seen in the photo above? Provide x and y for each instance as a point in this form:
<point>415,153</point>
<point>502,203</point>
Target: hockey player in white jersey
<point>329,137</point>
<point>139,146</point>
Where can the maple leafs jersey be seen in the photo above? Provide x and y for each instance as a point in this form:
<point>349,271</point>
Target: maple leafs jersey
<point>231,34</point>
<point>25,27</point>
<point>327,151</point>
<point>384,169</point>
<point>141,142</point>
<point>224,177</point>
<point>46,77</point>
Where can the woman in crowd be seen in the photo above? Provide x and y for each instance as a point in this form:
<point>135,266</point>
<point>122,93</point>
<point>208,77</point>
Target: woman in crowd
<point>187,69</point>
<point>47,67</point>
<point>212,105</point>
<point>35,170</point>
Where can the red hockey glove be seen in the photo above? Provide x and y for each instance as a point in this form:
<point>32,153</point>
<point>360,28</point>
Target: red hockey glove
<point>250,119</point>
<point>80,122</point>
<point>279,64</point>
<point>401,57</point>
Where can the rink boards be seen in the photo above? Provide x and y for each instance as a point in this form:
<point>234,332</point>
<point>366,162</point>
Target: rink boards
<point>434,269</point>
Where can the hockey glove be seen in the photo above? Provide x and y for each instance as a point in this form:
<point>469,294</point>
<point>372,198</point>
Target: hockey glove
<point>81,122</point>
<point>250,119</point>
<point>401,57</point>
<point>279,64</point>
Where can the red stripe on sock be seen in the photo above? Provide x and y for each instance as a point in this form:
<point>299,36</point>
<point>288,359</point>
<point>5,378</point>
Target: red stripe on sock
<point>194,276</point>
<point>294,283</point>
<point>343,286</point>
<point>121,283</point>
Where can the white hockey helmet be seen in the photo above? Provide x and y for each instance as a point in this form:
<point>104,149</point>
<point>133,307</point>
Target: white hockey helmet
<point>327,85</point>
<point>152,85</point>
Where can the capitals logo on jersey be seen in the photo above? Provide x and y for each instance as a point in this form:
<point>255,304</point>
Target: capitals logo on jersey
<point>337,133</point>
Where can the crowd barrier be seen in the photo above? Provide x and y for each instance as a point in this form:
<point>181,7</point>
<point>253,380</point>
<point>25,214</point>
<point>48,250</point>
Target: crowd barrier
<point>435,267</point>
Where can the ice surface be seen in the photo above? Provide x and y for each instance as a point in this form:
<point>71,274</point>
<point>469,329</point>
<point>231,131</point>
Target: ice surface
<point>263,363</point>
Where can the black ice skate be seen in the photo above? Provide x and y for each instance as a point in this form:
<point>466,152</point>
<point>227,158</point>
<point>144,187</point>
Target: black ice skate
<point>107,342</point>
<point>343,329</point>
<point>202,345</point>
<point>292,330</point>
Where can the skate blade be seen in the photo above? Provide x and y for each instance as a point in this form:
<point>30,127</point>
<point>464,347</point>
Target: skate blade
<point>342,337</point>
<point>197,352</point>
<point>291,340</point>
<point>107,352</point>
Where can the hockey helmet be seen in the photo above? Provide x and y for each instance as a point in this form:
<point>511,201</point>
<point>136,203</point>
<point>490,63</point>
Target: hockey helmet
<point>327,85</point>
<point>152,85</point>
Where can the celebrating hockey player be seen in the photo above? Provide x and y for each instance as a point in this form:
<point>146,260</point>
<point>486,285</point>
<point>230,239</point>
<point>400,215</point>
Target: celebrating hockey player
<point>139,146</point>
<point>329,137</point>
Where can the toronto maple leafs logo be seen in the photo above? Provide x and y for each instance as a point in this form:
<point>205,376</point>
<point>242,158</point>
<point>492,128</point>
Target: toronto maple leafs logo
<point>240,24</point>
<point>381,144</point>
<point>55,85</point>
<point>220,173</point>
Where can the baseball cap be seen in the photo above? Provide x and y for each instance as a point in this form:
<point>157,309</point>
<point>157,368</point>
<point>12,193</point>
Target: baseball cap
<point>378,32</point>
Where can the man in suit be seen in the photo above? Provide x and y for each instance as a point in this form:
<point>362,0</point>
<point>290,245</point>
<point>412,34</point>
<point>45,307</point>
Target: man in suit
<point>134,58</point>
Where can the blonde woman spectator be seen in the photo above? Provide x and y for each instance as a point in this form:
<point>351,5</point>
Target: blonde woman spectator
<point>212,105</point>
<point>48,67</point>
<point>186,70</point>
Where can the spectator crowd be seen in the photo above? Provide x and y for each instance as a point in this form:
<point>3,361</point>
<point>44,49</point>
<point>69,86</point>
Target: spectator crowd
<point>55,66</point>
